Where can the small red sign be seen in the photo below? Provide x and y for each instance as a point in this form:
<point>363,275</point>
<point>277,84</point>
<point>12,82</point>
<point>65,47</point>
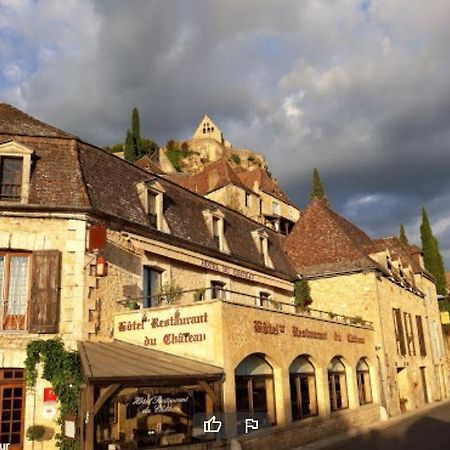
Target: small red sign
<point>49,395</point>
<point>97,237</point>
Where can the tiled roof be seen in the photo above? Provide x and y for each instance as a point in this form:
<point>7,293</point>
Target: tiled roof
<point>146,163</point>
<point>323,241</point>
<point>69,173</point>
<point>16,122</point>
<point>214,176</point>
<point>266,184</point>
<point>112,182</point>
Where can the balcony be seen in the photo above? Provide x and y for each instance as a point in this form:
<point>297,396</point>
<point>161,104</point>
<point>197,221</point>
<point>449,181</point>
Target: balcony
<point>195,296</point>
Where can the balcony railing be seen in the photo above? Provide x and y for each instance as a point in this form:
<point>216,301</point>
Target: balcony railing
<point>186,297</point>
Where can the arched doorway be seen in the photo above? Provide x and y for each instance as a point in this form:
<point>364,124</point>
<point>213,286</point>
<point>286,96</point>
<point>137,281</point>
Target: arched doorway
<point>363,382</point>
<point>302,380</point>
<point>337,384</point>
<point>255,389</point>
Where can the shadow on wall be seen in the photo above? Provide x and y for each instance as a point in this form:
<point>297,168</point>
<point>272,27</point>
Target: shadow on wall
<point>424,432</point>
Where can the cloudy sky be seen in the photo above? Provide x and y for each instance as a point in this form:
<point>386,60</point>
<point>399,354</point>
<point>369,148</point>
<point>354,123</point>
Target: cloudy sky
<point>360,89</point>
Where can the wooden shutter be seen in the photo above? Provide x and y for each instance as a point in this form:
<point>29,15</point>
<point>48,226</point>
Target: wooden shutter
<point>45,290</point>
<point>400,333</point>
<point>423,350</point>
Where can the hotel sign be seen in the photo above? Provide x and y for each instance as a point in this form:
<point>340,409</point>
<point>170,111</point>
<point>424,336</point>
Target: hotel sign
<point>146,326</point>
<point>218,267</point>
<point>277,329</point>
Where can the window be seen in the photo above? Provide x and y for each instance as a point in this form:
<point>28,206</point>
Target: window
<point>12,394</point>
<point>303,388</point>
<point>218,290</point>
<point>337,384</point>
<point>261,239</point>
<point>255,390</point>
<point>248,197</point>
<point>215,222</point>
<point>14,290</point>
<point>399,333</point>
<point>10,179</point>
<point>151,286</point>
<point>216,231</point>
<point>260,206</point>
<point>276,208</point>
<point>151,194</point>
<point>152,209</point>
<point>264,298</point>
<point>363,382</point>
<point>15,169</point>
<point>423,350</point>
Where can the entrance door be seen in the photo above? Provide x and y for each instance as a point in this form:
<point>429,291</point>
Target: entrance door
<point>12,406</point>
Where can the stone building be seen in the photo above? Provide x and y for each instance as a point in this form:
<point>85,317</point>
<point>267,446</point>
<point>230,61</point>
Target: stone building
<point>251,192</point>
<point>385,282</point>
<point>194,315</point>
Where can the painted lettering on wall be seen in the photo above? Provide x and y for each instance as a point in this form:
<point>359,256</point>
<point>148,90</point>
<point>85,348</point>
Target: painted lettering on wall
<point>309,334</point>
<point>228,270</point>
<point>268,328</point>
<point>355,339</point>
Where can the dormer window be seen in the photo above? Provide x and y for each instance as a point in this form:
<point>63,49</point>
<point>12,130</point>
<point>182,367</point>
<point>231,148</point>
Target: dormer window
<point>151,194</point>
<point>261,239</point>
<point>276,208</point>
<point>15,170</point>
<point>216,225</point>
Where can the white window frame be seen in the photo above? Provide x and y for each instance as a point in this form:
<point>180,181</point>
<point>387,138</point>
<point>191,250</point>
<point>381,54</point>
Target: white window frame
<point>13,149</point>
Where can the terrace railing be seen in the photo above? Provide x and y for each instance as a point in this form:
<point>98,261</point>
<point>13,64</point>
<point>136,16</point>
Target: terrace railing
<point>185,297</point>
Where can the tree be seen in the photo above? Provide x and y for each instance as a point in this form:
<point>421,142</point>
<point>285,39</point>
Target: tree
<point>403,238</point>
<point>431,254</point>
<point>136,132</point>
<point>317,189</point>
<point>129,154</point>
<point>302,293</point>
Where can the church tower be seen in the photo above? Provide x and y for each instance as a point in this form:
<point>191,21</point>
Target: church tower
<point>208,129</point>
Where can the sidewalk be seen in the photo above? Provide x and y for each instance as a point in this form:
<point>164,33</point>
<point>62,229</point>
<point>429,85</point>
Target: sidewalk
<point>381,424</point>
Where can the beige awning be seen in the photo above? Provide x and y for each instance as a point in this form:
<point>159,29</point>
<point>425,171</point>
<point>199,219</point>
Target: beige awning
<point>126,363</point>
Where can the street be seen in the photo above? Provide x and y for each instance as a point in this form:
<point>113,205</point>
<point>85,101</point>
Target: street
<point>430,431</point>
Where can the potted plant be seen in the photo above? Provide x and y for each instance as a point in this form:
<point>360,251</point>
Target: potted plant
<point>171,293</point>
<point>199,295</point>
<point>133,305</point>
<point>38,433</point>
<point>302,295</point>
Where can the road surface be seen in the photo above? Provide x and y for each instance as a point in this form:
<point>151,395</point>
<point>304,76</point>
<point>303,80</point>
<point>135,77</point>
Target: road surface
<point>429,431</point>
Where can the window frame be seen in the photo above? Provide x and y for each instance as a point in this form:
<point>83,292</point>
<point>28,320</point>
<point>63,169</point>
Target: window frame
<point>336,377</point>
<point>363,384</point>
<point>5,289</point>
<point>13,149</point>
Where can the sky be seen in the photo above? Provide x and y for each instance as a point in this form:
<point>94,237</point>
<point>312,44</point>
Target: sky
<point>359,89</point>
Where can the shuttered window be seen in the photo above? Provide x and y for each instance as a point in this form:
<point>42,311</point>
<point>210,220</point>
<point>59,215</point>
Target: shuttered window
<point>399,332</point>
<point>45,292</point>
<point>423,350</point>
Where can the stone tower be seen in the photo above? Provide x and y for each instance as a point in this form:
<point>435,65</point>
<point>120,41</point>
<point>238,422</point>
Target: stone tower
<point>208,129</point>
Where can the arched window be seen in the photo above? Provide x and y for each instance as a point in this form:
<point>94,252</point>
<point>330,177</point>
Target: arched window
<point>363,382</point>
<point>302,379</point>
<point>337,384</point>
<point>254,389</point>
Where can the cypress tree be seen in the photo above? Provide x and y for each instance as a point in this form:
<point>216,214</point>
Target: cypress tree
<point>431,255</point>
<point>403,238</point>
<point>129,148</point>
<point>317,189</point>
<point>136,133</point>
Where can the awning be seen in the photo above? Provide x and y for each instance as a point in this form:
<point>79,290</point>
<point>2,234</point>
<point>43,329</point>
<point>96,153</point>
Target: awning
<point>122,362</point>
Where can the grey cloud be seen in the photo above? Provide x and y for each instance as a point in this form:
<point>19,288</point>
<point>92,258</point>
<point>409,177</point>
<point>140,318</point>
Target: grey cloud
<point>361,94</point>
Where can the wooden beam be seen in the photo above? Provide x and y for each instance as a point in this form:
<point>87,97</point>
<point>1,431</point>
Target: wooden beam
<point>89,428</point>
<point>104,396</point>
<point>209,390</point>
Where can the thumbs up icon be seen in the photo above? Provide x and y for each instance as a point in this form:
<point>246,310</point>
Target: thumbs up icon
<point>212,425</point>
